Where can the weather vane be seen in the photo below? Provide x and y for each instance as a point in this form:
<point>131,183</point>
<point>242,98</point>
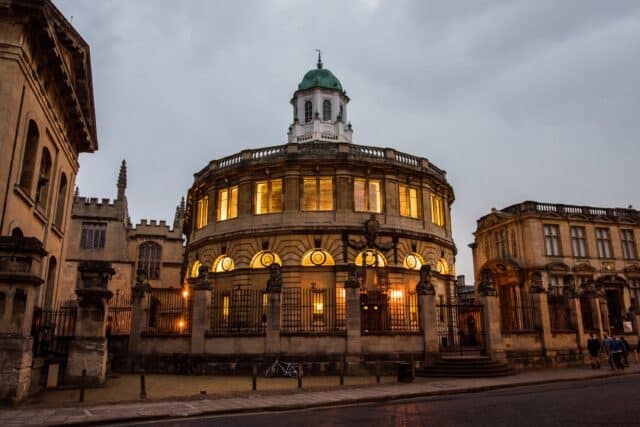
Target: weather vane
<point>319,58</point>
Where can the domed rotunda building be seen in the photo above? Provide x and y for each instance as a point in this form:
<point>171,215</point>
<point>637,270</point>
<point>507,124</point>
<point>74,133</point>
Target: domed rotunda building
<point>308,216</point>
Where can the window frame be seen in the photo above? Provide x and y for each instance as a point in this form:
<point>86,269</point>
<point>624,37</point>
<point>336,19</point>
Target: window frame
<point>629,248</point>
<point>230,201</point>
<point>317,194</point>
<point>437,210</point>
<point>89,231</point>
<point>308,111</point>
<point>550,238</point>
<point>152,259</point>
<point>367,195</point>
<point>326,117</point>
<point>577,240</point>
<point>502,243</point>
<point>202,212</point>
<point>269,197</point>
<point>604,243</point>
<point>407,196</point>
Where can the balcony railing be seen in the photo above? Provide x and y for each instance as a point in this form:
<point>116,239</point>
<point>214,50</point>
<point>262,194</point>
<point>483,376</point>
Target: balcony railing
<point>567,210</point>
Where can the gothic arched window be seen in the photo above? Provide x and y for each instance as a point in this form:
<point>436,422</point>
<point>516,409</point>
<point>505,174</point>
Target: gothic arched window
<point>29,158</point>
<point>308,111</point>
<point>44,178</point>
<point>62,197</point>
<point>326,110</point>
<point>149,256</point>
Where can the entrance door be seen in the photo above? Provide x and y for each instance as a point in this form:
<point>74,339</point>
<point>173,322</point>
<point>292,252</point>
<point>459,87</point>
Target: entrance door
<point>374,309</point>
<point>614,305</point>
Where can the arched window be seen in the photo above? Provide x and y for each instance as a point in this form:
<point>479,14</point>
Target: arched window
<point>149,256</point>
<point>264,259</point>
<point>51,282</point>
<point>442,267</point>
<point>195,269</point>
<point>62,198</point>
<point>308,111</point>
<point>44,178</point>
<point>326,110</point>
<point>29,157</point>
<point>317,257</point>
<point>17,232</point>
<point>370,258</point>
<point>413,261</point>
<point>223,264</point>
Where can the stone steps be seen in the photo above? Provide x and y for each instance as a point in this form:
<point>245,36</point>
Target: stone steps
<point>466,367</point>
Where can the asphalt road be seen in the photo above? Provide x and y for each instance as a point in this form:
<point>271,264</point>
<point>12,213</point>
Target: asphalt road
<point>608,402</point>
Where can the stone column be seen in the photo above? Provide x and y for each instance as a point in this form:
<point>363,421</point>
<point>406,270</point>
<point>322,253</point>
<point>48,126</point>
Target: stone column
<point>201,317</point>
<point>428,312</point>
<point>274,289</point>
<point>88,349</point>
<point>20,268</point>
<point>491,317</point>
<point>353,323</point>
<point>140,293</point>
<point>576,313</point>
<point>604,312</point>
<point>543,319</point>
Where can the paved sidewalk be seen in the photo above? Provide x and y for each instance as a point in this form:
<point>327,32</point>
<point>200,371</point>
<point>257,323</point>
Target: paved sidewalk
<point>257,401</point>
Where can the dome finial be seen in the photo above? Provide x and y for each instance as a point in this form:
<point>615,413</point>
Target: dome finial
<point>319,58</point>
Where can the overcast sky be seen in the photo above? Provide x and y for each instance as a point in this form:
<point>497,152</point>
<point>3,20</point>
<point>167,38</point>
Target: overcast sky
<point>516,100</point>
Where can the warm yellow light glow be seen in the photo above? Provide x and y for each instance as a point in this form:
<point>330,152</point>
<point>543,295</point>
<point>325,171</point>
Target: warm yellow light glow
<point>408,201</point>
<point>318,308</point>
<point>225,306</point>
<point>268,196</point>
<point>396,294</point>
<point>223,263</point>
<point>366,194</point>
<point>370,258</point>
<point>203,212</point>
<point>195,269</point>
<point>413,261</point>
<point>265,299</point>
<point>317,257</point>
<point>442,267</point>
<point>185,293</point>
<point>264,259</point>
<point>437,210</point>
<point>181,324</point>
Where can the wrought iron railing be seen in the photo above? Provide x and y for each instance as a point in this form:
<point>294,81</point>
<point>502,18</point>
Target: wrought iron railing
<point>238,312</point>
<point>170,312</point>
<point>460,328</point>
<point>313,311</point>
<point>389,311</point>
<point>53,330</point>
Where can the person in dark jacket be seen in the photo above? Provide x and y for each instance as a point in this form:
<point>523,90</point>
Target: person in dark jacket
<point>593,345</point>
<point>625,351</point>
<point>616,353</point>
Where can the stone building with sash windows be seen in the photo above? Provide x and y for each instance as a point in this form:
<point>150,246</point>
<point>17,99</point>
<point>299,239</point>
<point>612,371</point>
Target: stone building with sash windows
<point>560,272</point>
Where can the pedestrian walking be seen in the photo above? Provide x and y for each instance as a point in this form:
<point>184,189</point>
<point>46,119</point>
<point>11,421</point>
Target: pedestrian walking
<point>625,351</point>
<point>606,343</point>
<point>593,345</point>
<point>616,353</point>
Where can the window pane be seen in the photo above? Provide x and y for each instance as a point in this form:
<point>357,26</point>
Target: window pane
<point>276,196</point>
<point>404,209</point>
<point>413,203</point>
<point>375,202</point>
<point>309,196</point>
<point>359,194</point>
<point>437,212</point>
<point>233,202</point>
<point>326,194</point>
<point>261,197</point>
<point>222,204</point>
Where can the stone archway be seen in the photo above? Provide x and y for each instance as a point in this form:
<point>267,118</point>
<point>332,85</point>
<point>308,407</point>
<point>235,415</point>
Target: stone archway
<point>612,291</point>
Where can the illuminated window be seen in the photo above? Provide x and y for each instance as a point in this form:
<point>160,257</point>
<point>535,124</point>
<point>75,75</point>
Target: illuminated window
<point>202,212</point>
<point>366,193</point>
<point>317,257</point>
<point>442,266</point>
<point>317,194</point>
<point>408,201</point>
<point>326,110</point>
<point>264,259</point>
<point>223,263</point>
<point>437,210</point>
<point>413,261</point>
<point>227,203</point>
<point>308,111</point>
<point>225,307</point>
<point>268,196</point>
<point>370,258</point>
<point>318,305</point>
<point>195,269</point>
<point>552,240</point>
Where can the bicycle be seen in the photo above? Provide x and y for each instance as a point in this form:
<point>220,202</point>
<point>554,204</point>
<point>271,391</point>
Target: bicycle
<point>286,369</point>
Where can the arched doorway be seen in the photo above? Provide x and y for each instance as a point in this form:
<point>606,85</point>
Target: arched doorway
<point>613,288</point>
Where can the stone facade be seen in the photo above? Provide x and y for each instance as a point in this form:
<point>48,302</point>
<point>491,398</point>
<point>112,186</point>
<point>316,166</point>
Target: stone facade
<point>101,230</point>
<point>559,272</point>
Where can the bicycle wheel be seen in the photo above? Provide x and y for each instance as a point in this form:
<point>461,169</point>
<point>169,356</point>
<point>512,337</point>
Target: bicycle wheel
<point>271,371</point>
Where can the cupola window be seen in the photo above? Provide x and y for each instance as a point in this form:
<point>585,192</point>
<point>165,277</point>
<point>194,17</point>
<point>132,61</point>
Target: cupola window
<point>308,111</point>
<point>326,110</point>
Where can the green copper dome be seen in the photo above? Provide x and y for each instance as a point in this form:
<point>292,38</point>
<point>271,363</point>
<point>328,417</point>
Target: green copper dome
<point>320,77</point>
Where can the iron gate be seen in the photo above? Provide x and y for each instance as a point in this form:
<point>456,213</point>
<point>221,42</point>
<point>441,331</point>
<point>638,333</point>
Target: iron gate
<point>461,328</point>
